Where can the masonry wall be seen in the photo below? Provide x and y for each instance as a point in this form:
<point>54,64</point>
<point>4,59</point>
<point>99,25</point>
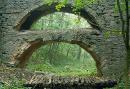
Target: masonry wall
<point>111,50</point>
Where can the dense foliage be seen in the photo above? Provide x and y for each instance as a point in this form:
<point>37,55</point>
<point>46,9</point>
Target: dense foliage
<point>77,4</point>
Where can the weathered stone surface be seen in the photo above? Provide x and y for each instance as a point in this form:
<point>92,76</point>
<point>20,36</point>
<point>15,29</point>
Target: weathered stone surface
<point>16,15</point>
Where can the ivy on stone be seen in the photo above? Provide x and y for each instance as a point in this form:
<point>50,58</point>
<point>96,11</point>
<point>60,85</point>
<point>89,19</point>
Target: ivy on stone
<point>77,4</point>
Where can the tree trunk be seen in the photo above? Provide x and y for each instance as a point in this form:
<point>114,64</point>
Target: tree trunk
<point>127,43</point>
<point>79,54</point>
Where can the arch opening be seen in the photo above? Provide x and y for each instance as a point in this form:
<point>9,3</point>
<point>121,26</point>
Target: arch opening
<point>62,59</point>
<point>60,20</point>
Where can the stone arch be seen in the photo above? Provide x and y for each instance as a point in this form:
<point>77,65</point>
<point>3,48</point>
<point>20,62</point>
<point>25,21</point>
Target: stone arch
<point>32,16</point>
<point>23,53</point>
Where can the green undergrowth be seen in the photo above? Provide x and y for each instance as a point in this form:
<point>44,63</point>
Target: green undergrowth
<point>58,60</point>
<point>67,70</point>
<point>16,84</point>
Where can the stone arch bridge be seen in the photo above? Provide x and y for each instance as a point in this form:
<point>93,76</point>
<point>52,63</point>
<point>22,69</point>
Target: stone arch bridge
<point>17,42</point>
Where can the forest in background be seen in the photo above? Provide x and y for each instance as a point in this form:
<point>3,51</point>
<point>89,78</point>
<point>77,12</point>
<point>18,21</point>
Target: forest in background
<point>62,58</point>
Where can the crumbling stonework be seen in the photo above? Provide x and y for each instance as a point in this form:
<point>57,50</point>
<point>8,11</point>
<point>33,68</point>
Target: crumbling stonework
<point>16,46</point>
